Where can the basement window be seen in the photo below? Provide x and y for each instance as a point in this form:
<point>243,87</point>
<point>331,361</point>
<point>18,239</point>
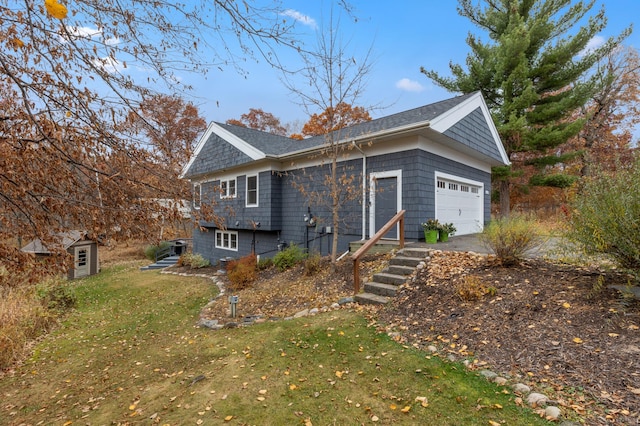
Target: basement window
<point>227,240</point>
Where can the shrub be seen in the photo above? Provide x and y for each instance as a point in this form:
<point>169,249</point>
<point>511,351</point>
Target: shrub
<point>313,264</point>
<point>242,272</point>
<point>510,238</point>
<point>195,261</point>
<point>471,287</point>
<point>289,257</point>
<point>264,263</point>
<point>56,295</point>
<point>605,216</point>
<point>151,250</point>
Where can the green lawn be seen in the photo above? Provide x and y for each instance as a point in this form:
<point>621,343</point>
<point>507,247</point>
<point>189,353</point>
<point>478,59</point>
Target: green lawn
<point>131,354</point>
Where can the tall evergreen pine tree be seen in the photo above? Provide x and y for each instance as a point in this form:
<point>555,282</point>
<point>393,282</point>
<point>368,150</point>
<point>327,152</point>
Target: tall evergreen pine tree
<point>534,70</point>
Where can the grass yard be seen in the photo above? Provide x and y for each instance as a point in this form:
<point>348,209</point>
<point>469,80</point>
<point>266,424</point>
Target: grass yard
<point>131,354</point>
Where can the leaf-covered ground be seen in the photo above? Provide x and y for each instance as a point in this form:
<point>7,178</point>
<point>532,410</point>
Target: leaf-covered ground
<point>556,327</point>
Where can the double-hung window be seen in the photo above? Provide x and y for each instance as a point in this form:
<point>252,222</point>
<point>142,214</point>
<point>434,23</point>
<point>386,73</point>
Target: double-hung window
<point>252,191</point>
<point>228,188</point>
<point>227,240</point>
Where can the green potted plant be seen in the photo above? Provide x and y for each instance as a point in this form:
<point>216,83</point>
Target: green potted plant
<point>446,229</point>
<point>431,228</point>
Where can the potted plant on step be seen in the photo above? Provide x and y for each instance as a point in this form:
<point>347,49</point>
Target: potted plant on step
<point>431,228</point>
<point>446,229</point>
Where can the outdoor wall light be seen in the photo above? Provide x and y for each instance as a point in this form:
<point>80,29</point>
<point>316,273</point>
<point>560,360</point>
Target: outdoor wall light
<point>237,223</point>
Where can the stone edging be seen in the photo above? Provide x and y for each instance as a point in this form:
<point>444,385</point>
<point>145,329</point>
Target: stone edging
<point>247,320</point>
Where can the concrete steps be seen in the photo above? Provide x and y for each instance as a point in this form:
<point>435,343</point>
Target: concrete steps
<point>385,284</point>
<point>161,264</point>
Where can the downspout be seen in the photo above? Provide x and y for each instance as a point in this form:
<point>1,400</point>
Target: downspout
<point>364,190</point>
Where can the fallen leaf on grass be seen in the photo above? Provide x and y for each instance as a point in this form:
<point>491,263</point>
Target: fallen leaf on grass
<point>577,340</point>
<point>406,409</point>
<point>228,418</point>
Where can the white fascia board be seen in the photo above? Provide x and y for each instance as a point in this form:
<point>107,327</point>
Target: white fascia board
<point>450,117</point>
<point>235,141</point>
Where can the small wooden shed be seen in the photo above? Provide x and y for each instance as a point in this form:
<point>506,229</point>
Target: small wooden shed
<point>77,244</point>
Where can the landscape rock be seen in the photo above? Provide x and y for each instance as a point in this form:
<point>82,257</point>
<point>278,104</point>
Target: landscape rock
<point>314,311</point>
<point>208,323</point>
<point>489,375</point>
<point>335,305</point>
<point>500,381</point>
<point>552,412</point>
<point>535,399</point>
<point>521,388</point>
<point>346,300</point>
<point>432,349</point>
<point>302,313</point>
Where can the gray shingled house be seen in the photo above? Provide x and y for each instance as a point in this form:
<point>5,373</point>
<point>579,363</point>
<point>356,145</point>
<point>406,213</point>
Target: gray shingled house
<point>434,162</point>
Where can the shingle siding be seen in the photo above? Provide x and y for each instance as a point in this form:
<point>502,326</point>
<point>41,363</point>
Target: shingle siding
<point>216,154</point>
<point>474,132</point>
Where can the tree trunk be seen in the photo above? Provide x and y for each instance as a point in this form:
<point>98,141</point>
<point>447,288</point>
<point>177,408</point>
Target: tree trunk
<point>335,214</point>
<point>505,198</point>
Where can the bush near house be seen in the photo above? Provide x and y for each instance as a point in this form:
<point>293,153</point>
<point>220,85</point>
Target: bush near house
<point>510,238</point>
<point>289,257</point>
<point>605,216</point>
<point>243,272</point>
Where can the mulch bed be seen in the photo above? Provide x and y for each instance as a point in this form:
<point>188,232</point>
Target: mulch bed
<point>558,327</point>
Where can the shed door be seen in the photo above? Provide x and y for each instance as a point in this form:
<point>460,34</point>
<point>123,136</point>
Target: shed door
<point>460,202</point>
<point>82,261</point>
<point>386,200</point>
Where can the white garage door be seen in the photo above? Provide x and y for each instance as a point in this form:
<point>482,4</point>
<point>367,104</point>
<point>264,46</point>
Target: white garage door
<point>460,201</point>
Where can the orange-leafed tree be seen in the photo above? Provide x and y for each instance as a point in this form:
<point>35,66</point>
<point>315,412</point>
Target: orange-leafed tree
<point>258,119</point>
<point>335,118</point>
<point>168,126</point>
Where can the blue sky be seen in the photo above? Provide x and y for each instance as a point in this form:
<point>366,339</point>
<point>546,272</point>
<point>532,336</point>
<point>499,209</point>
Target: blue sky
<point>403,35</point>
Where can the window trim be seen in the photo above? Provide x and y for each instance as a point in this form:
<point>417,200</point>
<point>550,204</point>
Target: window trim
<point>229,234</point>
<point>225,194</point>
<point>247,204</point>
<point>197,196</point>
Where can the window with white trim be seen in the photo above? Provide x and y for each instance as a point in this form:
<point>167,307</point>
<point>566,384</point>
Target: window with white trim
<point>197,195</point>
<point>228,188</point>
<point>464,188</point>
<point>441,184</point>
<point>227,240</point>
<point>475,190</point>
<point>453,186</point>
<point>252,191</point>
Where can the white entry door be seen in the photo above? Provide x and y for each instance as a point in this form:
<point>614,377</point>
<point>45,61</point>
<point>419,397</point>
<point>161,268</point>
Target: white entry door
<point>82,259</point>
<point>460,201</point>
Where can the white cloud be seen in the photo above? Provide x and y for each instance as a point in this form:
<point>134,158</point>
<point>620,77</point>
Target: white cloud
<point>109,64</point>
<point>299,17</point>
<point>112,41</point>
<point>409,85</point>
<point>592,45</point>
<point>84,32</point>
